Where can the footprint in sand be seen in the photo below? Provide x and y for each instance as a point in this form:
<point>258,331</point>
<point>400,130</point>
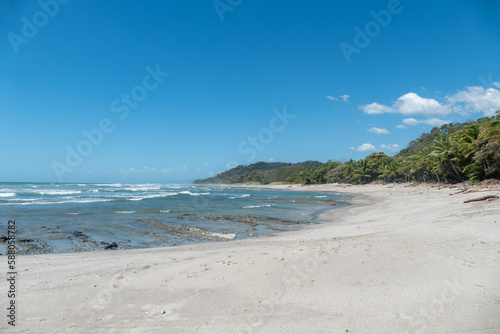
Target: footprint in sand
<point>205,267</point>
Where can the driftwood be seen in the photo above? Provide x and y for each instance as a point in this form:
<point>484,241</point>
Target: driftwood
<point>470,191</point>
<point>477,191</point>
<point>484,198</point>
<point>460,192</point>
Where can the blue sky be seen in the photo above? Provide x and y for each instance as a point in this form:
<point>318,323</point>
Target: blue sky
<point>171,91</point>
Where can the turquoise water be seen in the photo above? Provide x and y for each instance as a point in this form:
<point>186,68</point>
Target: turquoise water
<point>52,217</point>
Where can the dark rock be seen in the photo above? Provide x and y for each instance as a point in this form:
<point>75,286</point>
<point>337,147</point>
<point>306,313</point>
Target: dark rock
<point>30,246</point>
<point>188,216</point>
<point>246,219</point>
<point>235,218</point>
<point>112,246</point>
<point>187,231</point>
<point>3,239</point>
<point>79,234</point>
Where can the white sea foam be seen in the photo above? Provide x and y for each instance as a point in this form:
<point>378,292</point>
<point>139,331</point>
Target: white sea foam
<point>140,198</point>
<point>73,213</point>
<point>93,190</point>
<point>81,185</point>
<point>7,194</point>
<point>257,206</point>
<point>60,202</point>
<point>320,196</point>
<point>79,201</point>
<point>164,211</point>
<point>229,236</point>
<point>187,192</point>
<point>239,196</point>
<point>58,192</point>
<point>125,212</point>
<point>142,188</point>
<point>116,185</point>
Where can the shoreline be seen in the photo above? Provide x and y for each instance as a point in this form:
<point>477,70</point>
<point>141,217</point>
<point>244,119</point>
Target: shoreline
<point>400,258</point>
<point>150,215</point>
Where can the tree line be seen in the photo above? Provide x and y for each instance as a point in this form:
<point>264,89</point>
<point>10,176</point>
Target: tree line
<point>454,152</point>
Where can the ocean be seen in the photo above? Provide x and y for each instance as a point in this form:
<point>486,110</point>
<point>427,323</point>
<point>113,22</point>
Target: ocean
<point>62,217</point>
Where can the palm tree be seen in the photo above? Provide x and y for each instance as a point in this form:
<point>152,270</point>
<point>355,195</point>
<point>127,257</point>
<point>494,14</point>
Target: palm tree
<point>357,171</point>
<point>467,138</point>
<point>468,144</point>
<point>390,171</point>
<point>443,149</point>
<point>493,127</point>
<point>426,162</point>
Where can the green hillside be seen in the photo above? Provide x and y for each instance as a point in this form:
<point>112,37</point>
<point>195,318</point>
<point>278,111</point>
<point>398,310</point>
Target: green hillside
<point>452,153</point>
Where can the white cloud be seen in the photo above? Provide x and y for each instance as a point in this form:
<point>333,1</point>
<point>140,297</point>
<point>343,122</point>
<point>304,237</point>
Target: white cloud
<point>364,148</point>
<point>144,169</point>
<point>476,99</point>
<point>271,159</point>
<point>344,98</point>
<point>392,147</point>
<point>379,131</point>
<point>410,121</point>
<point>375,108</point>
<point>401,126</point>
<point>412,104</point>
<point>128,171</point>
<point>409,104</point>
<point>430,121</point>
<point>434,121</point>
<point>472,99</point>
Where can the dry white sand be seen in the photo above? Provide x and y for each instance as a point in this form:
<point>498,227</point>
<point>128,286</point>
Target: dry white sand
<point>401,259</point>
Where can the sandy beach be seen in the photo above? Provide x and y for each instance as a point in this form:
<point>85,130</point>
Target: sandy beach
<point>400,259</point>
